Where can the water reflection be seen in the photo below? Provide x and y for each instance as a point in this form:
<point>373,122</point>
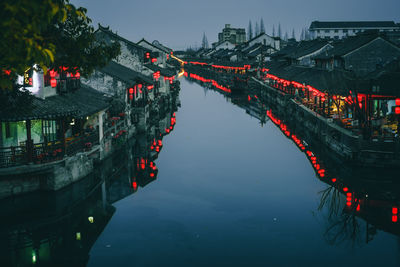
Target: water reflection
<point>59,228</point>
<point>357,200</point>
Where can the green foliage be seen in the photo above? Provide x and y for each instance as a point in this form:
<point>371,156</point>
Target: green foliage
<point>23,43</point>
<point>15,101</point>
<point>49,33</point>
<point>76,45</point>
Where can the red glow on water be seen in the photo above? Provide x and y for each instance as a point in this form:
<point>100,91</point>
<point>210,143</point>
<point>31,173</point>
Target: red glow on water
<point>151,175</point>
<point>345,189</point>
<point>153,60</point>
<point>394,218</point>
<point>333,180</point>
<point>358,207</point>
<point>131,90</point>
<point>134,185</point>
<point>397,110</point>
<point>348,204</point>
<point>197,63</point>
<point>214,83</point>
<point>397,101</point>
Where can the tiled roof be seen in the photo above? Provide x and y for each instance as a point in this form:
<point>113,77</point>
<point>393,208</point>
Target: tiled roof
<point>261,34</point>
<point>80,103</point>
<point>300,49</point>
<point>258,50</point>
<point>335,81</point>
<point>348,44</point>
<point>351,24</point>
<point>161,46</point>
<point>115,36</point>
<point>152,45</point>
<point>307,47</point>
<point>125,74</point>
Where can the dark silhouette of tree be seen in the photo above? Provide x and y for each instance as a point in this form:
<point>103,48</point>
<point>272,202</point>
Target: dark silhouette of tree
<point>204,42</point>
<point>342,225</point>
<point>257,29</point>
<point>273,30</point>
<point>262,26</point>
<point>306,34</point>
<point>279,31</point>
<point>293,34</point>
<point>286,37</point>
<point>250,31</point>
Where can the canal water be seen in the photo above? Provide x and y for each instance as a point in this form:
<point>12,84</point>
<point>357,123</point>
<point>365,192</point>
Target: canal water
<point>231,191</point>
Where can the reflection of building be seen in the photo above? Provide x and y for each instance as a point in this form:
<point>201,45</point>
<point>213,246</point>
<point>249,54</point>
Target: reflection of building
<point>59,228</point>
<point>348,196</point>
<point>233,35</point>
<point>53,230</point>
<point>341,29</point>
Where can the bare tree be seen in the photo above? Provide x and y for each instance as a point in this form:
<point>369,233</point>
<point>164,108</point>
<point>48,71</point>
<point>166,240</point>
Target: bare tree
<point>262,27</point>
<point>293,35</point>
<point>279,31</point>
<point>257,29</point>
<point>250,31</point>
<point>286,36</point>
<point>204,42</point>
<point>306,34</point>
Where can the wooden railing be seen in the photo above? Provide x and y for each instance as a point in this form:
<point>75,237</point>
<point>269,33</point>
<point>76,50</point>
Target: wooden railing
<point>81,143</point>
<point>12,156</point>
<point>46,152</point>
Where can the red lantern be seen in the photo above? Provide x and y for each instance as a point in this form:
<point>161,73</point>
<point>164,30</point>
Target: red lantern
<point>53,82</point>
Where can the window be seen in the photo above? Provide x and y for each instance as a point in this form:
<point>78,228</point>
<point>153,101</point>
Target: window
<point>345,31</point>
<point>336,37</point>
<point>318,31</point>
<point>336,30</point>
<point>326,31</point>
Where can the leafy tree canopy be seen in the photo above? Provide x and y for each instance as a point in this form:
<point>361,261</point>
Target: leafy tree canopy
<point>49,33</point>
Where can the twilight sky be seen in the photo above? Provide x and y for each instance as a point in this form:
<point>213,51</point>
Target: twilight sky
<point>178,23</point>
